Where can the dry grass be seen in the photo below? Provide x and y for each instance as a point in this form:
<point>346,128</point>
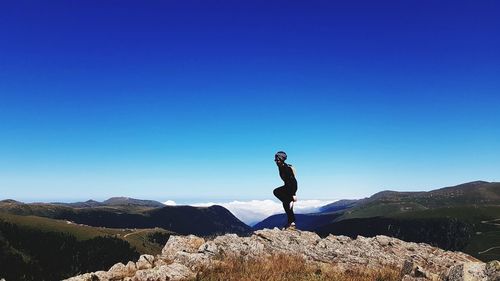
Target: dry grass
<point>285,268</point>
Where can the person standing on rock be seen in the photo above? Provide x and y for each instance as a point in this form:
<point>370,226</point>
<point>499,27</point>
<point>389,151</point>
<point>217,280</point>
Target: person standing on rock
<point>286,193</point>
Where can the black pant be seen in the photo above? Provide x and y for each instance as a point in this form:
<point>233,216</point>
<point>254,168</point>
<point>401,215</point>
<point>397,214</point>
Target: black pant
<point>284,195</point>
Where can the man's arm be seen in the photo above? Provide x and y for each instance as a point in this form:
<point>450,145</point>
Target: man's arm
<point>292,180</point>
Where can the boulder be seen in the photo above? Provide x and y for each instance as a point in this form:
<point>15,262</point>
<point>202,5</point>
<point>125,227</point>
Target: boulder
<point>171,272</point>
<point>117,272</point>
<point>175,244</point>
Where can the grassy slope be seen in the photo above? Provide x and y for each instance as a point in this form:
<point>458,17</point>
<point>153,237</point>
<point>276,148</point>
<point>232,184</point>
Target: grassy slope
<point>391,202</point>
<point>181,219</point>
<point>487,231</point>
<point>136,237</point>
<point>140,241</point>
<point>81,232</point>
<point>381,208</point>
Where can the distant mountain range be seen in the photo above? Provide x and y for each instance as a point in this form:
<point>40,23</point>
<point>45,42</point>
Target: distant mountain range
<point>114,201</point>
<point>122,212</point>
<point>338,206</point>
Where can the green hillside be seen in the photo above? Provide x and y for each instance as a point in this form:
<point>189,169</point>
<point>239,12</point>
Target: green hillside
<point>30,254</point>
<point>81,232</point>
<point>478,193</point>
<point>200,221</point>
<point>485,223</point>
<point>137,238</point>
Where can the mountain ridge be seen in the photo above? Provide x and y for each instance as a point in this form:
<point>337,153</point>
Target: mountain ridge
<point>187,257</point>
<point>181,219</point>
<point>113,201</point>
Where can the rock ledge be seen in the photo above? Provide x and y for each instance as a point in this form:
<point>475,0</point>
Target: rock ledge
<point>183,256</point>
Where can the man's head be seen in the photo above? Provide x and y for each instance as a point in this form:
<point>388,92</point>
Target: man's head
<point>280,157</point>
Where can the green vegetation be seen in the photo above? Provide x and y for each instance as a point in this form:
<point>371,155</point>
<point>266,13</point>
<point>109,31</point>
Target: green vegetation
<point>31,254</point>
<point>148,241</point>
<point>485,229</point>
<point>37,248</point>
<point>138,238</point>
<point>472,214</point>
<point>381,208</point>
<point>80,232</point>
<point>181,219</point>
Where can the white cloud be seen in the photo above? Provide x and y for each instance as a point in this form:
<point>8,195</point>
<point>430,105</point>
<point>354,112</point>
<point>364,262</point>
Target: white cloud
<point>170,203</point>
<point>254,211</point>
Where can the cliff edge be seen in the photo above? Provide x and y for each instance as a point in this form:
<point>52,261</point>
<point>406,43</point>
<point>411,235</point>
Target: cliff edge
<point>185,257</point>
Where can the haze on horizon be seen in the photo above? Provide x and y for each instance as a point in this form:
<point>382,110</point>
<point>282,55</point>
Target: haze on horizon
<point>168,100</point>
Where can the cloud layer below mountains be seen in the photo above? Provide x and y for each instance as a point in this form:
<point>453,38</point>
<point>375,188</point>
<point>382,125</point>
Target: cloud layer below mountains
<point>254,211</point>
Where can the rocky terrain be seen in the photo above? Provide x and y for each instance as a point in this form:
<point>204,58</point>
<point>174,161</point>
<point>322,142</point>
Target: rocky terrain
<point>183,257</point>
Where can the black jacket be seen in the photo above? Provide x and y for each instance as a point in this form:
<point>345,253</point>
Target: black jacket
<point>286,174</point>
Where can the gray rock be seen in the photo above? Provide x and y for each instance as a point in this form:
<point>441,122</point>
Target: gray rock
<point>194,261</point>
<point>170,272</point>
<point>145,262</point>
<point>188,244</point>
<point>420,272</point>
<point>382,240</point>
<point>456,273</point>
<point>471,271</point>
<point>117,272</point>
<point>209,248</point>
<point>130,268</point>
<point>493,266</point>
<point>412,278</point>
<point>407,268</point>
<point>493,270</point>
<point>100,275</point>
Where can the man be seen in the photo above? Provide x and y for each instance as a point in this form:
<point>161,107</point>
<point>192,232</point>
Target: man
<point>286,193</point>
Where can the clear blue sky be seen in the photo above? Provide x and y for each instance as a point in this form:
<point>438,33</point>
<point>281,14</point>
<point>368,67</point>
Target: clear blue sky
<point>189,100</point>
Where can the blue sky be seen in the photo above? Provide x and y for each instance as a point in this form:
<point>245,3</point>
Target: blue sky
<point>189,100</point>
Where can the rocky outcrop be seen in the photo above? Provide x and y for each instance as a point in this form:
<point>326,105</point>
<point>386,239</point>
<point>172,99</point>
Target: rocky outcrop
<point>183,256</point>
<point>160,270</point>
